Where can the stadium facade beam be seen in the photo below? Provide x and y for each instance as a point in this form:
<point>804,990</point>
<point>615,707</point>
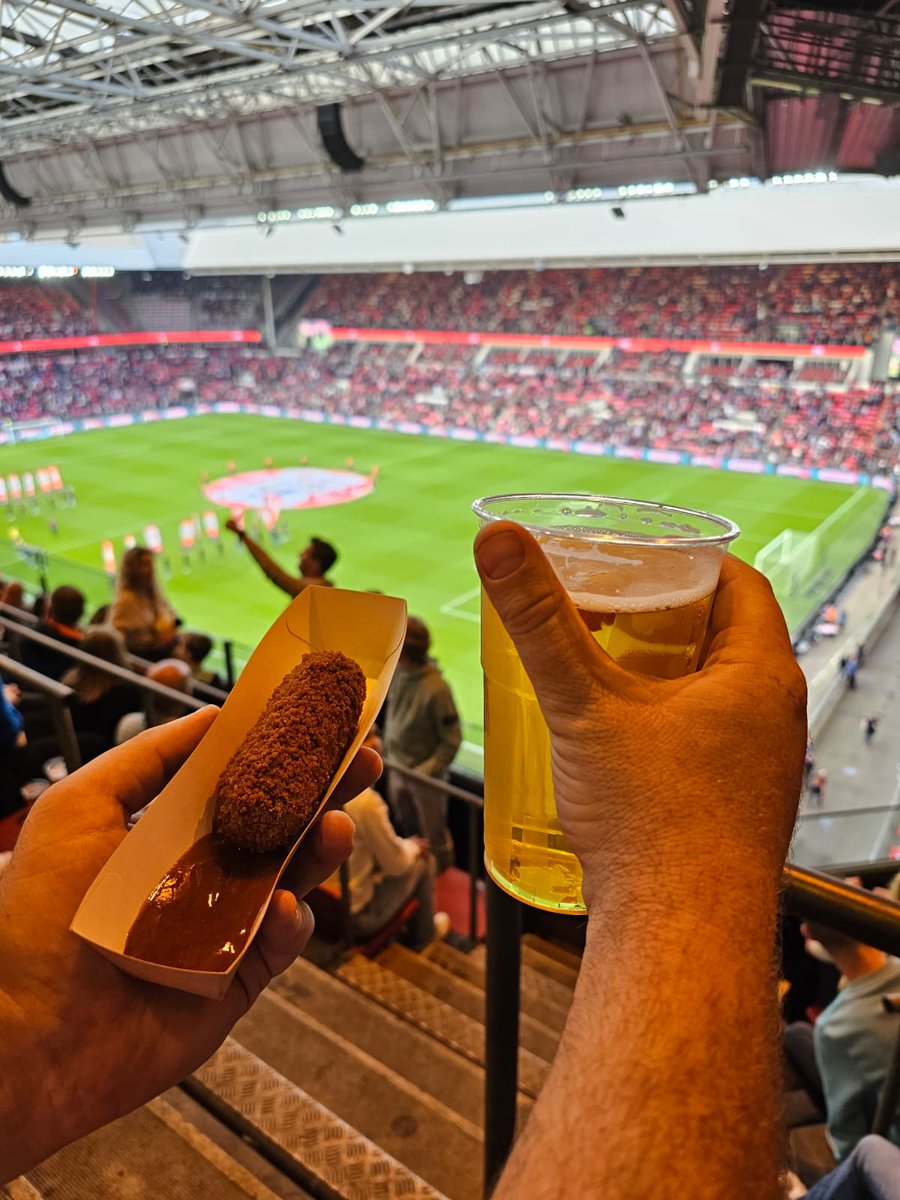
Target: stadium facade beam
<point>125,198</point>
<point>671,117</point>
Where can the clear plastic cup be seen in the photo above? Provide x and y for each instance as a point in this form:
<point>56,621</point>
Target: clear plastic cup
<point>642,576</point>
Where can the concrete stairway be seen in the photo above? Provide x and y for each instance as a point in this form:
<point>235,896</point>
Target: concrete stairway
<point>365,1081</point>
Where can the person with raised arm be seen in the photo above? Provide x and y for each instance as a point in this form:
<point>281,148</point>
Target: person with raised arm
<point>314,561</point>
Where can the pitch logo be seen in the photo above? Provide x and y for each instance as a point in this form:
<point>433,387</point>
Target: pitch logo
<point>289,487</point>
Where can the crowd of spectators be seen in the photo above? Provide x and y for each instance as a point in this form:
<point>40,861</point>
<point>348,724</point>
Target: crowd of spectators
<point>105,708</point>
<point>41,310</point>
<point>837,303</point>
<point>834,303</point>
<point>623,401</point>
<point>78,384</point>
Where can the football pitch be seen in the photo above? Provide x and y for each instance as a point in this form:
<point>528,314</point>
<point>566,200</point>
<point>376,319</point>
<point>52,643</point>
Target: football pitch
<point>411,536</point>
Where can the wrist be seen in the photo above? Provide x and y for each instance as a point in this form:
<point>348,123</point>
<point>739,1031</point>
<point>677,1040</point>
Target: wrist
<point>688,897</point>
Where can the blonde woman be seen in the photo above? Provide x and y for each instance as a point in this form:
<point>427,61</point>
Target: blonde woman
<point>140,611</point>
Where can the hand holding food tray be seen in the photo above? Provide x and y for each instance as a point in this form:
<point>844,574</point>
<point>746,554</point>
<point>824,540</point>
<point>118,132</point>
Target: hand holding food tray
<point>365,627</point>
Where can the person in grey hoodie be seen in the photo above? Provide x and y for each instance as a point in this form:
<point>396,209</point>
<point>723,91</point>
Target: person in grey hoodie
<point>422,733</point>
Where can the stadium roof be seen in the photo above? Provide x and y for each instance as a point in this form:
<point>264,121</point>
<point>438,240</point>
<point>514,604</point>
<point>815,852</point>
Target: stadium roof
<point>143,113</point>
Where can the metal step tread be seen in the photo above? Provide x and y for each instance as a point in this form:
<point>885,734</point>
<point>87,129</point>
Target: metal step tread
<point>464,995</point>
<point>541,956</point>
<point>290,1123</point>
<point>449,1026</point>
<point>553,950</point>
<point>541,997</point>
<point>152,1152</point>
<point>396,1043</point>
<point>431,1138</point>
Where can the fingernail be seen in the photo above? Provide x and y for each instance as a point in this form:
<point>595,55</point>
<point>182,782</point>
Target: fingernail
<point>499,554</point>
<point>306,922</point>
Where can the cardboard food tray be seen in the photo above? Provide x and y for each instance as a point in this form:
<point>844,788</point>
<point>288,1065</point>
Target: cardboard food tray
<point>367,627</point>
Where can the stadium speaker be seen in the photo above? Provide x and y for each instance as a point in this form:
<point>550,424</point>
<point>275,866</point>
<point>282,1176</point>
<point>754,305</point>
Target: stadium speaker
<point>9,193</point>
<point>328,118</point>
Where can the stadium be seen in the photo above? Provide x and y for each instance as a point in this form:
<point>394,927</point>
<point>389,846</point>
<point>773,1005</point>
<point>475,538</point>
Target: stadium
<point>280,277</point>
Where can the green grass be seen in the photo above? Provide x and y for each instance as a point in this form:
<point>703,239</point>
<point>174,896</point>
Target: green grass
<point>411,537</point>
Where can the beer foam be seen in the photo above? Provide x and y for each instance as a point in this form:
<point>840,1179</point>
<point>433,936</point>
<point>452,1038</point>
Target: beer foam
<point>599,603</point>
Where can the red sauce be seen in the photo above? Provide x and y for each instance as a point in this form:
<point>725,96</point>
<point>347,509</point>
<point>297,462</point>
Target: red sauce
<point>200,914</point>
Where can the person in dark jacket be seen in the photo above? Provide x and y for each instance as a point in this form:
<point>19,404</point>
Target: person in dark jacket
<point>101,700</point>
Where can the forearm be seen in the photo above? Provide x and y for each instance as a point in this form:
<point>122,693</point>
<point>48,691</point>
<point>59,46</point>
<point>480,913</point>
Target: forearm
<point>271,569</point>
<point>441,758</point>
<point>666,1083</point>
<point>35,1117</point>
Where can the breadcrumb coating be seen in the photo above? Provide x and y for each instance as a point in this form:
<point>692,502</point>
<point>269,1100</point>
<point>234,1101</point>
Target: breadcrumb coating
<point>273,783</point>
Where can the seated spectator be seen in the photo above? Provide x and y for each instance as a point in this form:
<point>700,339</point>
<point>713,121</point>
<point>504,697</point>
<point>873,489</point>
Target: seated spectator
<point>870,1172</point>
<point>101,700</point>
<point>193,648</point>
<point>386,870</point>
<point>172,673</point>
<point>66,608</point>
<point>14,596</point>
<point>140,611</point>
<point>843,1059</point>
<point>12,739</point>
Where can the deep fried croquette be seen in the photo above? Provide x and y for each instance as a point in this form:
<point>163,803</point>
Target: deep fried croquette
<point>273,783</point>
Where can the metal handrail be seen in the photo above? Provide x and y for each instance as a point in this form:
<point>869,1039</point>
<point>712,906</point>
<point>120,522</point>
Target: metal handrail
<point>435,782</point>
<point>474,803</point>
<point>18,621</point>
<point>213,694</point>
<point>818,896</point>
<point>149,686</point>
<point>21,615</point>
<point>58,695</point>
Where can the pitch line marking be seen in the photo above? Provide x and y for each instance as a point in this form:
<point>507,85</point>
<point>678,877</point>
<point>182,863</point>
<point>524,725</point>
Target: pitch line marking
<point>451,608</point>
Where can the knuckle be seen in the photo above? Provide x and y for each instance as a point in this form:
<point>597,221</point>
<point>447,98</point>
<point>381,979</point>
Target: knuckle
<point>527,616</point>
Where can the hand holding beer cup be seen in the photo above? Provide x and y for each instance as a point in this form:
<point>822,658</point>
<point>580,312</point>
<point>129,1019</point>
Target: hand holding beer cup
<point>642,769</point>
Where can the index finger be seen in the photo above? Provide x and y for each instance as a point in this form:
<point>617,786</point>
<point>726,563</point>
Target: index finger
<point>126,778</point>
<point>747,625</point>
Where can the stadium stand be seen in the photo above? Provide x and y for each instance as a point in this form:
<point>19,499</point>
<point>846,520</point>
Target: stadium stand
<point>722,412</point>
<point>844,303</point>
<point>40,310</point>
<point>429,1072</point>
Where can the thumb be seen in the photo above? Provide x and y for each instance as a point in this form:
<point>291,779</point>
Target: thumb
<point>566,666</point>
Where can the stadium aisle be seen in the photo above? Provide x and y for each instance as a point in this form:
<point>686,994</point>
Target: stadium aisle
<point>859,775</point>
<point>861,599</point>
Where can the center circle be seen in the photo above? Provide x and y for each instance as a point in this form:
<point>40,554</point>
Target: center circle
<point>289,487</point>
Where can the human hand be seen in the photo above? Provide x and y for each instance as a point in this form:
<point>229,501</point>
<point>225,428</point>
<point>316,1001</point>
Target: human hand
<point>654,776</point>
<point>12,692</point>
<point>99,1041</point>
<point>422,845</point>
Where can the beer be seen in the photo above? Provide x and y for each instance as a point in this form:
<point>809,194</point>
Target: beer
<point>642,577</point>
<point>525,849</point>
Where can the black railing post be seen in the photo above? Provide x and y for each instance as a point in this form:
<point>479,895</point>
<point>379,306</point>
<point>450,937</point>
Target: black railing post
<point>474,854</point>
<point>229,663</point>
<point>501,1052</point>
